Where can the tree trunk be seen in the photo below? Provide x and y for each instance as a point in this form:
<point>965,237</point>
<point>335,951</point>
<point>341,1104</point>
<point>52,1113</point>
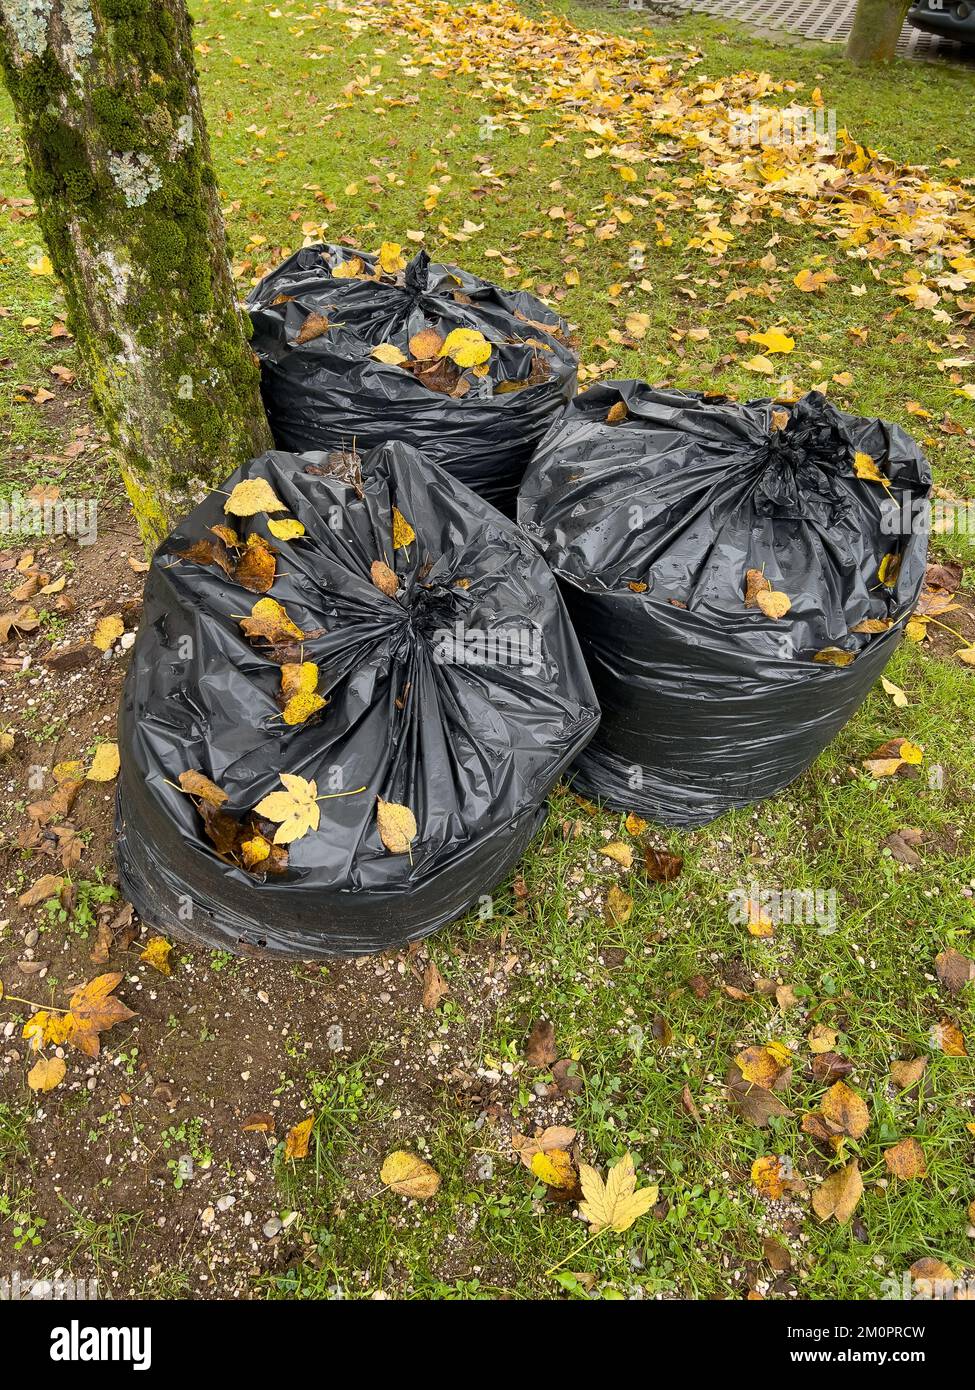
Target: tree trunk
<point>106,95</point>
<point>877,26</point>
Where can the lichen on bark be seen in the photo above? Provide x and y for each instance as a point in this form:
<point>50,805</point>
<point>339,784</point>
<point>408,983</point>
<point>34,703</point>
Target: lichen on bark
<point>106,95</point>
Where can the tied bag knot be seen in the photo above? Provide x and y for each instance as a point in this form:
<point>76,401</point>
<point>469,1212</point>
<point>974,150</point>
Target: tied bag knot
<point>800,465</point>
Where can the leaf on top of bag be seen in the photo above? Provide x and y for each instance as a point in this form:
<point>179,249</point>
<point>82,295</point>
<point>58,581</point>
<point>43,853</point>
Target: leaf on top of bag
<point>403,533</point>
<point>252,496</point>
<point>467,347</point>
<point>388,353</point>
<point>397,826</point>
<point>269,621</point>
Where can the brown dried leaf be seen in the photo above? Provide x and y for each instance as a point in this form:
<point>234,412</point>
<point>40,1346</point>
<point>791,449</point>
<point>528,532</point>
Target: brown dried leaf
<point>839,1195</point>
<point>313,327</point>
<point>661,865</point>
<point>846,1111</point>
<point>954,970</point>
<point>92,1010</point>
<point>199,785</point>
<point>425,344</point>
<point>256,568</point>
<point>435,987</point>
<point>384,578</point>
<point>540,1049</point>
<point>904,1075</point>
<point>39,892</point>
<point>906,1160</point>
<point>754,1103</point>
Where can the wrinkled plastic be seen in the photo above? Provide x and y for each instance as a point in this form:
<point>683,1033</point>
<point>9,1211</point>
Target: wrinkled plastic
<point>472,749</point>
<point>708,704</point>
<point>330,392</point>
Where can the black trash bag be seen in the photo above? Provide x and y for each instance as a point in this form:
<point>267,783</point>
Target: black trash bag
<point>462,698</point>
<point>652,506</point>
<point>324,389</point>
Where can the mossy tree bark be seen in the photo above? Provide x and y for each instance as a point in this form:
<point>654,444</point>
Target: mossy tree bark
<point>106,95</point>
<point>876,28</point>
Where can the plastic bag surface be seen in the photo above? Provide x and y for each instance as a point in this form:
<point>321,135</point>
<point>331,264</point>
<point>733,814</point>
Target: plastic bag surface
<point>446,681</point>
<point>320,318</point>
<point>653,507</point>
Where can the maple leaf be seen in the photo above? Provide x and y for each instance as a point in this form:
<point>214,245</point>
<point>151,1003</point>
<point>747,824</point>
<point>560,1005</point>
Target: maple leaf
<point>93,1009</point>
<point>774,341</point>
<point>252,496</point>
<point>46,1027</point>
<point>295,809</point>
<point>615,1203</point>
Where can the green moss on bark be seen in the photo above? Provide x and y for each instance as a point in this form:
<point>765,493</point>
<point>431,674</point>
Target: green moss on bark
<point>119,165</point>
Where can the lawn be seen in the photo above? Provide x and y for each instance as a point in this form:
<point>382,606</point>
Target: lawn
<point>582,156</point>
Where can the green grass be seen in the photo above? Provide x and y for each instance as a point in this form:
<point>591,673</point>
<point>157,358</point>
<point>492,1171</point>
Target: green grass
<point>291,153</point>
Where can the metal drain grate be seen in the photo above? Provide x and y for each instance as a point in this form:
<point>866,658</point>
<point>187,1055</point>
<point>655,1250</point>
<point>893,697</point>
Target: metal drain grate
<point>827,20</point>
